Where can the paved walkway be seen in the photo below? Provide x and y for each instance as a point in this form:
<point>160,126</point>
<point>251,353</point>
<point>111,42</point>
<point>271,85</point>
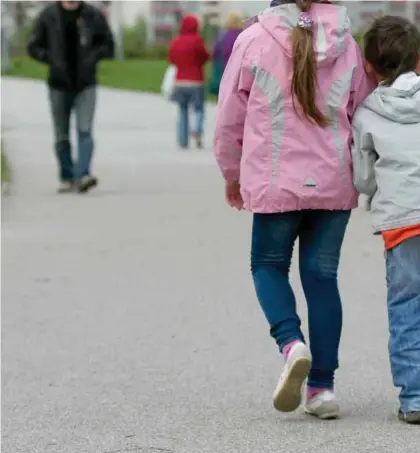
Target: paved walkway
<point>129,318</point>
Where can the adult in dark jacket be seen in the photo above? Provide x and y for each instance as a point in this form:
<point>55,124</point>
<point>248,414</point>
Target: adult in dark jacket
<point>71,37</point>
<point>188,53</point>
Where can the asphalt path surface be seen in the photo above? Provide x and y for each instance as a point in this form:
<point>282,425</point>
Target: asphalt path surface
<point>129,318</point>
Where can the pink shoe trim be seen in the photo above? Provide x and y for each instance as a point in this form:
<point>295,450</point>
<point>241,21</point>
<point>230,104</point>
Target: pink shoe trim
<point>288,347</point>
<point>312,392</point>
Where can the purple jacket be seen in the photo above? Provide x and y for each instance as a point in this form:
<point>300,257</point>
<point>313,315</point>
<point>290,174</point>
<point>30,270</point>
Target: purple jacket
<point>224,45</point>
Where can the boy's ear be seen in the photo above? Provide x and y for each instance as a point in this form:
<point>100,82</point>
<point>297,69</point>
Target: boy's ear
<point>418,67</point>
<point>368,68</point>
<point>370,72</point>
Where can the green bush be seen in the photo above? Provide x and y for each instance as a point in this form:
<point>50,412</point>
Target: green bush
<point>154,52</point>
<point>136,45</point>
<point>19,40</point>
<point>5,170</point>
<point>135,38</point>
<point>359,39</point>
<point>209,33</point>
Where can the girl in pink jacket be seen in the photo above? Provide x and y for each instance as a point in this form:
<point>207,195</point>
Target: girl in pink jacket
<point>283,130</point>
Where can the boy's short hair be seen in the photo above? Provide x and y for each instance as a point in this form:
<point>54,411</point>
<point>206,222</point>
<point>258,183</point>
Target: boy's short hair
<point>392,47</point>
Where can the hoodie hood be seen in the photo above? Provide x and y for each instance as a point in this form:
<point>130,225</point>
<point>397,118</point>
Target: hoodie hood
<point>331,28</point>
<point>189,25</point>
<point>399,102</point>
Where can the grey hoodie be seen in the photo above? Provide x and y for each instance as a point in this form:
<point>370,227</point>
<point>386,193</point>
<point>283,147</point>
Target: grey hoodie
<point>386,152</point>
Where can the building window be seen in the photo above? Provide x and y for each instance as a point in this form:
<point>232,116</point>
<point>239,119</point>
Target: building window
<point>163,36</point>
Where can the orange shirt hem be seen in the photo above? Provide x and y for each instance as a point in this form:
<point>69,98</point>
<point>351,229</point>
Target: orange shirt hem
<point>392,238</point>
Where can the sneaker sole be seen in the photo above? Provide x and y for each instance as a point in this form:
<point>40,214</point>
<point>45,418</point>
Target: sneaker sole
<point>411,419</point>
<point>289,397</point>
<point>68,189</point>
<point>329,415</point>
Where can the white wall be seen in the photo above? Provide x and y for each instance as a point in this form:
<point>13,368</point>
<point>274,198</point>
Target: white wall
<point>131,10</point>
<point>252,8</point>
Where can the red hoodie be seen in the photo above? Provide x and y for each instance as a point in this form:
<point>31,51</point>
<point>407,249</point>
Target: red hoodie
<point>188,53</point>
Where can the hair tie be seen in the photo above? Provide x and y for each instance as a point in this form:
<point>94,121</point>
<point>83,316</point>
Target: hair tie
<point>305,21</point>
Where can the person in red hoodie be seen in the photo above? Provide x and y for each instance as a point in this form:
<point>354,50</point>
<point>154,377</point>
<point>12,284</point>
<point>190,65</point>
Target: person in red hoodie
<point>189,54</point>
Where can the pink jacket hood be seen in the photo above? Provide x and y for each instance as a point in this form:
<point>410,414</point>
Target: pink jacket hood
<point>331,26</point>
<point>283,161</point>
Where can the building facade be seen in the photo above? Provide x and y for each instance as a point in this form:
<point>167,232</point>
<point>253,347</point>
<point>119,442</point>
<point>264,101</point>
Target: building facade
<point>362,13</point>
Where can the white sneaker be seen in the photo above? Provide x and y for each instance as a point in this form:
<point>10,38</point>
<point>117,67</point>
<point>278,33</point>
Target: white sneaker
<point>324,406</point>
<point>65,187</point>
<point>288,394</point>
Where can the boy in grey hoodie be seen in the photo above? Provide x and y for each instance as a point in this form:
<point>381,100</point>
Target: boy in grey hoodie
<point>386,161</point>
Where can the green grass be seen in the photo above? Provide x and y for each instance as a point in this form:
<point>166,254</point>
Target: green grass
<point>136,75</point>
<point>5,171</point>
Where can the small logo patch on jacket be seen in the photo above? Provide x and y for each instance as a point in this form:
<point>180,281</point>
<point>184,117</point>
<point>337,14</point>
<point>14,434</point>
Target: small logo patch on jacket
<point>309,183</point>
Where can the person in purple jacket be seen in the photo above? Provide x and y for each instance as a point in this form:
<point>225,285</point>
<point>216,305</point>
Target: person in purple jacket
<point>232,29</point>
<point>223,48</point>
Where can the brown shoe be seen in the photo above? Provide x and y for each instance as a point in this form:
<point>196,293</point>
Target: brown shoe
<point>412,418</point>
<point>198,139</point>
<point>86,183</point>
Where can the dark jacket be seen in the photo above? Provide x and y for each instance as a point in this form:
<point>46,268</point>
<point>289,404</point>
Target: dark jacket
<point>47,45</point>
<point>188,53</point>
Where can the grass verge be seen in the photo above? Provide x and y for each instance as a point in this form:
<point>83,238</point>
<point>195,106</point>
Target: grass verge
<point>5,170</point>
<point>136,75</point>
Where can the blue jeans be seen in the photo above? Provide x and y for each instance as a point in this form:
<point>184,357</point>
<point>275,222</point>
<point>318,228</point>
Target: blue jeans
<point>62,103</point>
<point>403,280</point>
<point>186,97</point>
<point>321,235</point>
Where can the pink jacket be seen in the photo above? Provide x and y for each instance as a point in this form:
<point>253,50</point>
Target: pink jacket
<point>285,163</point>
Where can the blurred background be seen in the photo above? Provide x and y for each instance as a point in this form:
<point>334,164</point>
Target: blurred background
<point>143,30</point>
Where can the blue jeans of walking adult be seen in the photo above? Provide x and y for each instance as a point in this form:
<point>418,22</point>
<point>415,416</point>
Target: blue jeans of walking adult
<point>189,97</point>
<point>403,281</point>
<point>62,104</point>
<point>321,235</point>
